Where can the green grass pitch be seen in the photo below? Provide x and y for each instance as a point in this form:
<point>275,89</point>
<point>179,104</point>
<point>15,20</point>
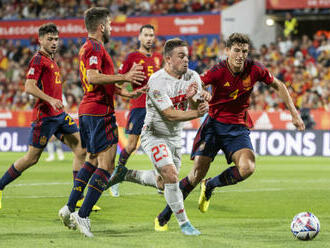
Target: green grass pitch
<point>256,213</point>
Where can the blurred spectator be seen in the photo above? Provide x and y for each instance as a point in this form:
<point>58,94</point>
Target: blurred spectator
<point>290,25</point>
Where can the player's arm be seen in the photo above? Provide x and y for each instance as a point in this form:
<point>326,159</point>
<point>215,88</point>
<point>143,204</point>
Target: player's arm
<point>31,88</point>
<point>172,114</point>
<point>282,91</point>
<point>135,75</point>
<point>122,91</point>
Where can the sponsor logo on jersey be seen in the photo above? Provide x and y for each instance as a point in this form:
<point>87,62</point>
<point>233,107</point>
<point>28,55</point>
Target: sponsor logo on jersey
<point>93,60</point>
<point>31,71</point>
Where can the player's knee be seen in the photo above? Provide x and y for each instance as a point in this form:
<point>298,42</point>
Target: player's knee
<point>169,174</point>
<point>247,169</point>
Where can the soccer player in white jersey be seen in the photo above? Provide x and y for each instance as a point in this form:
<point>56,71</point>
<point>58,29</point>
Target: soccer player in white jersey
<point>171,91</point>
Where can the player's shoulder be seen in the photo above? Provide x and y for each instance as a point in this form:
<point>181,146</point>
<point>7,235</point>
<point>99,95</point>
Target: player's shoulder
<point>254,64</point>
<point>190,74</point>
<point>159,79</point>
<point>92,46</point>
<point>220,66</point>
<point>37,59</point>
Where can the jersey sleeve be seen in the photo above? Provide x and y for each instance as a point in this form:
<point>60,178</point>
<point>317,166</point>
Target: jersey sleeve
<point>35,69</point>
<point>157,93</point>
<point>125,66</point>
<point>93,58</point>
<point>264,74</point>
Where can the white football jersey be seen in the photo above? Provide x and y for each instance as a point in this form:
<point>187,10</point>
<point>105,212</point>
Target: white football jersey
<point>166,91</point>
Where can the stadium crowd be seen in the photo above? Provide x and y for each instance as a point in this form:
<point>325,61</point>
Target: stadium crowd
<point>304,64</point>
<point>61,9</point>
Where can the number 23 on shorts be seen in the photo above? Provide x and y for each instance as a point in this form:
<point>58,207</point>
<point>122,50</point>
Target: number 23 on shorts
<point>159,152</point>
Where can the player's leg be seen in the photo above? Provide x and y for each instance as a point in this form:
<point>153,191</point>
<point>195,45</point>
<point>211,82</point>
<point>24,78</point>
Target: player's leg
<point>238,149</point>
<point>187,184</point>
<point>103,142</point>
<point>174,198</point>
<point>83,169</point>
<point>51,150</point>
<point>59,150</point>
<point>15,170</point>
<point>133,129</point>
<point>123,157</point>
<point>96,186</point>
<point>40,133</point>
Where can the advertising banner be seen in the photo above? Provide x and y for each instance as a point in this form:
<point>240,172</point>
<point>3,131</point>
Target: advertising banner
<point>129,27</point>
<point>297,4</point>
<point>265,142</point>
<point>279,142</point>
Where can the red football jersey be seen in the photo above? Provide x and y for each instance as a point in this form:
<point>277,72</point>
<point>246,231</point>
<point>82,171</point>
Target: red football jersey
<point>97,99</point>
<point>231,92</point>
<point>150,65</point>
<point>45,71</point>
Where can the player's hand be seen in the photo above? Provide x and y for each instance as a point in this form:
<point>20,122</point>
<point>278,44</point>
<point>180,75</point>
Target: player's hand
<point>191,90</point>
<point>206,95</point>
<point>298,122</point>
<point>203,108</point>
<point>135,75</point>
<point>56,104</point>
<point>138,92</point>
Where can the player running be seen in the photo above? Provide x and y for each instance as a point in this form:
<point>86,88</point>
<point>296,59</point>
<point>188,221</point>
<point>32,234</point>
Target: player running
<point>227,126</point>
<point>98,128</point>
<point>44,82</point>
<point>151,62</point>
<point>171,91</point>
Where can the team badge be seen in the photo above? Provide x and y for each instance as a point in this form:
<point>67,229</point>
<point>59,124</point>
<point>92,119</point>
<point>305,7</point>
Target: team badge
<point>43,140</point>
<point>31,71</point>
<point>227,84</point>
<point>141,62</point>
<point>52,66</point>
<point>156,94</point>
<point>93,60</point>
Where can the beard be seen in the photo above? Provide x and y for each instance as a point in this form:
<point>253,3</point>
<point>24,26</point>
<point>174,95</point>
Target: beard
<point>105,37</point>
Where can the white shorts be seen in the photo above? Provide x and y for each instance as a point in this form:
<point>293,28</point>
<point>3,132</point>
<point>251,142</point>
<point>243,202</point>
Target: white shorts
<point>162,150</point>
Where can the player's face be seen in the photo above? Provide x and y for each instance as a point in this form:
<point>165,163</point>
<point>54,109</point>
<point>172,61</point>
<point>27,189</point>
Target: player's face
<point>49,43</point>
<point>106,29</point>
<point>237,55</point>
<point>147,38</point>
<point>178,61</point>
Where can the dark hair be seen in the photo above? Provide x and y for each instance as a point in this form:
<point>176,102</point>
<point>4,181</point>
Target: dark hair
<point>94,17</point>
<point>147,26</point>
<point>173,43</point>
<point>47,28</point>
<point>237,38</point>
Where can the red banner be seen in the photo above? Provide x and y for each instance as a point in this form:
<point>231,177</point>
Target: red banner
<point>130,26</point>
<point>297,4</point>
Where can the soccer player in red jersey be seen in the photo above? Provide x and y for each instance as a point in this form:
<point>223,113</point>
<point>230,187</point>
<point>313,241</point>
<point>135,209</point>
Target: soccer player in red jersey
<point>227,126</point>
<point>97,122</point>
<point>43,81</point>
<point>151,62</point>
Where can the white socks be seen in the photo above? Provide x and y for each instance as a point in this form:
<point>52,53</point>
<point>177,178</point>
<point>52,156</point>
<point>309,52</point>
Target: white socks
<point>144,177</point>
<point>174,199</point>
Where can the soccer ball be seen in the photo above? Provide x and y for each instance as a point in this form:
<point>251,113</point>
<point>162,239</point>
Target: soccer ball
<point>305,226</point>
